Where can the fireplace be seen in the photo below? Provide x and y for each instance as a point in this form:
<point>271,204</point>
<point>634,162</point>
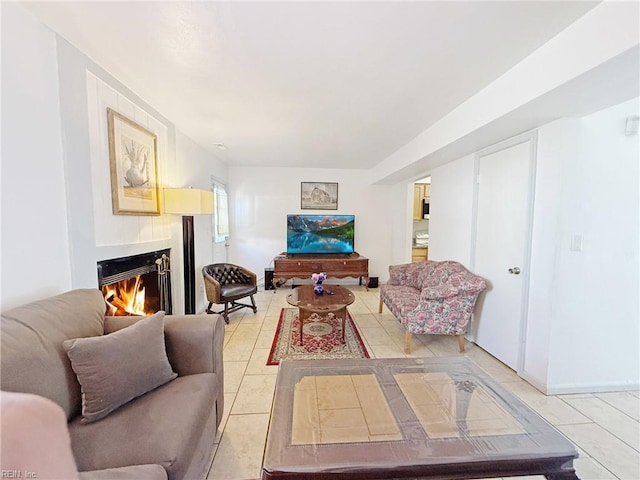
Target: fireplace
<point>136,285</point>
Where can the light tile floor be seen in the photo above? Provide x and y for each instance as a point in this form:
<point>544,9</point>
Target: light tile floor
<point>604,426</point>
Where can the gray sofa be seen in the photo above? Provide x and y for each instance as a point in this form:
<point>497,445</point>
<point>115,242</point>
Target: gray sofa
<point>173,425</point>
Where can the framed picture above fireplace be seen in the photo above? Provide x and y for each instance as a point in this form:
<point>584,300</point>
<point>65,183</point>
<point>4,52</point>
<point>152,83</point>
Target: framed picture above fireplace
<point>133,157</point>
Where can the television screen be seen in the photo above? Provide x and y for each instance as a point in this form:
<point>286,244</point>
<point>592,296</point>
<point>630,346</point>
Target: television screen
<point>320,233</point>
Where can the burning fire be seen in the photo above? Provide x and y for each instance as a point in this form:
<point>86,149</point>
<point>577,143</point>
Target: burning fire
<point>126,297</point>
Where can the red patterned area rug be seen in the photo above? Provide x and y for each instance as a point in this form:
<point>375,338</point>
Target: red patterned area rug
<point>321,335</point>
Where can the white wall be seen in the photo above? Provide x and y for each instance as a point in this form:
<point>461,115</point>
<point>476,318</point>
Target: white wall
<point>34,254</point>
<point>55,152</point>
<point>261,198</point>
<point>583,331</point>
<point>596,296</point>
<point>557,142</point>
<point>450,211</point>
<point>401,224</point>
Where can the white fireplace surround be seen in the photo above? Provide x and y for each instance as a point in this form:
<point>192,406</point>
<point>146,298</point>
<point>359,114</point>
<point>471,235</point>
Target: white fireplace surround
<point>125,235</point>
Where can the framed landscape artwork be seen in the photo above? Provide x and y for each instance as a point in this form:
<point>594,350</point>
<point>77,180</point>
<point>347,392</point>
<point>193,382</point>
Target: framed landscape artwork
<point>133,156</point>
<point>318,196</point>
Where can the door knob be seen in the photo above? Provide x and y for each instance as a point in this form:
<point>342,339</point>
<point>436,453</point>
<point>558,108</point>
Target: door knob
<point>514,271</point>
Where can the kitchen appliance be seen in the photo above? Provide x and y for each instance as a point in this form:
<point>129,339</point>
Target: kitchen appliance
<point>425,208</point>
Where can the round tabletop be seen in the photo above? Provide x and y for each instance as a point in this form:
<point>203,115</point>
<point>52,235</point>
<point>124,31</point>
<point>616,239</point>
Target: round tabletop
<point>334,298</point>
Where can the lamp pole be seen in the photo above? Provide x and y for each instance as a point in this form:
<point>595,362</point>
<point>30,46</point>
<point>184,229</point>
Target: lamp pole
<point>188,252</point>
<point>188,202</point>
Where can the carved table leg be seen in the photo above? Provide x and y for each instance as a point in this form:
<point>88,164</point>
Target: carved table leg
<point>342,314</point>
<point>304,315</point>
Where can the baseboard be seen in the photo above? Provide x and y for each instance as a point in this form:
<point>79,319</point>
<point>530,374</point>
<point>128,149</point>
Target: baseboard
<point>591,388</point>
<point>572,388</point>
<point>533,382</point>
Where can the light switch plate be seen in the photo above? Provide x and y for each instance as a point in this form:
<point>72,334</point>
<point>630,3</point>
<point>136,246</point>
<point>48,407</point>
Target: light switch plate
<point>576,243</point>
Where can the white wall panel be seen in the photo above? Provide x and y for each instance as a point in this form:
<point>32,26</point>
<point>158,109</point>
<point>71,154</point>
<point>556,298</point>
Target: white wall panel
<point>113,229</point>
<point>450,210</point>
<point>596,296</point>
<point>35,251</point>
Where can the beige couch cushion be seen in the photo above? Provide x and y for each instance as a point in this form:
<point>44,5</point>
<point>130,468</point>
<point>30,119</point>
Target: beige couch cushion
<point>114,369</point>
<point>173,426</point>
<point>32,359</point>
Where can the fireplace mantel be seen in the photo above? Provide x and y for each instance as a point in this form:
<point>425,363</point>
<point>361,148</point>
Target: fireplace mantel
<point>106,252</point>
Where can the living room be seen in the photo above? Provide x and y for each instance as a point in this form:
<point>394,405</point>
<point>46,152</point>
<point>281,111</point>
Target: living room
<point>57,220</point>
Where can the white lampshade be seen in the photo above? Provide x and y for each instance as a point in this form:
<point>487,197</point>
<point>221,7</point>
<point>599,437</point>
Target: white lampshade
<point>188,201</point>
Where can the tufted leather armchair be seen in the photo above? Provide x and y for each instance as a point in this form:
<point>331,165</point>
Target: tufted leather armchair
<point>225,283</point>
<point>432,297</point>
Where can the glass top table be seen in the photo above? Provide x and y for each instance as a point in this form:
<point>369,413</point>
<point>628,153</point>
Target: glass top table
<point>404,418</point>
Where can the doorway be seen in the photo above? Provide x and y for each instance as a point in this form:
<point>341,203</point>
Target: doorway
<point>420,227</point>
<point>501,251</point>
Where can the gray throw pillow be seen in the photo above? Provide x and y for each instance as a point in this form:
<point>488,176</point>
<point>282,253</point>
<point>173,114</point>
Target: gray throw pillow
<point>114,369</point>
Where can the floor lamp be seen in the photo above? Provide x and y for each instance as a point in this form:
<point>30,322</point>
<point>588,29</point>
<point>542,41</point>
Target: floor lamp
<point>188,202</point>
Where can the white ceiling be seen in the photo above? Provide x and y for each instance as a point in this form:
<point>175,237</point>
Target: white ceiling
<point>306,84</point>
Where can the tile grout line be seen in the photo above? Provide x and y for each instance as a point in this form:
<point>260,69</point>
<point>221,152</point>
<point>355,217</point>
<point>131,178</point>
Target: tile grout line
<point>618,409</point>
<point>594,422</point>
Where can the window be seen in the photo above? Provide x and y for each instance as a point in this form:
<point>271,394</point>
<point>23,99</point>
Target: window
<point>221,214</point>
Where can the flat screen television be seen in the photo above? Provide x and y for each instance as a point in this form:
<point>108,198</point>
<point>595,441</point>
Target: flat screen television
<point>320,234</point>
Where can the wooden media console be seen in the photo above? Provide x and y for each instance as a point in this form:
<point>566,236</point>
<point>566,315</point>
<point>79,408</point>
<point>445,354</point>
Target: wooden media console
<point>335,265</point>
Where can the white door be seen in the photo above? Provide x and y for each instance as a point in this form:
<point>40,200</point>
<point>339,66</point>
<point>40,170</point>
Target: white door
<point>502,245</point>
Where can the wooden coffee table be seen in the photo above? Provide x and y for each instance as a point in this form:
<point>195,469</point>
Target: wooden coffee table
<point>437,417</point>
<point>335,299</point>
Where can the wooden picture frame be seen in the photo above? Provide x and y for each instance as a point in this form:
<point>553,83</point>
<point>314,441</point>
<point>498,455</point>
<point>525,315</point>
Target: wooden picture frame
<point>318,195</point>
<point>133,156</point>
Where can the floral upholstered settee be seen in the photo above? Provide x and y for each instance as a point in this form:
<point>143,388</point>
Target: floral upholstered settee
<point>431,297</point>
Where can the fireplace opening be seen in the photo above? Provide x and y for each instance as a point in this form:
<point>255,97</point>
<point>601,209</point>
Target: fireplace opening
<point>136,285</point>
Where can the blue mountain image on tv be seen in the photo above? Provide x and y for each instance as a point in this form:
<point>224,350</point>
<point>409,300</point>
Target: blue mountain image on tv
<point>320,233</point>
